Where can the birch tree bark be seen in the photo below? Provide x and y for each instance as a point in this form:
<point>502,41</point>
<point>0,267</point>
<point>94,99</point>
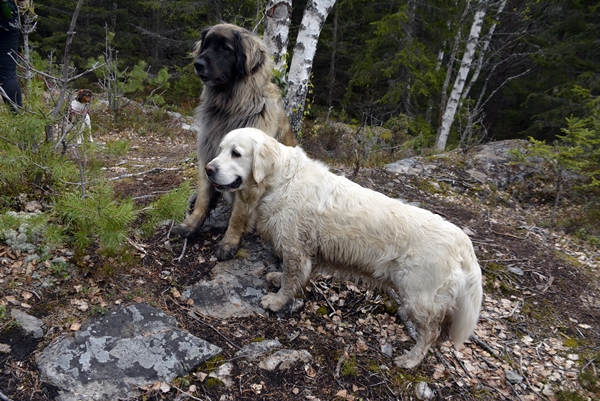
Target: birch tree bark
<point>277,29</point>
<point>314,17</point>
<point>482,53</point>
<point>461,77</point>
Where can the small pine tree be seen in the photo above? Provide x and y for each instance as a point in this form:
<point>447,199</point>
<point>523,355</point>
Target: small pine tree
<point>577,150</point>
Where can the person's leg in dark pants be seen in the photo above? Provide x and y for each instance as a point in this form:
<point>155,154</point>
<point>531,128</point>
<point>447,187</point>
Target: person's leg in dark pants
<point>9,43</point>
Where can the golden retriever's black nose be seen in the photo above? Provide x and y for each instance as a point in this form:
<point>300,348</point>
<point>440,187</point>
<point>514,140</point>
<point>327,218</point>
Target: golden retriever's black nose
<point>210,170</point>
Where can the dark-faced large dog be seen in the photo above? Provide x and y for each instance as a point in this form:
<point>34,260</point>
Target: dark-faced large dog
<point>235,68</point>
<point>317,220</point>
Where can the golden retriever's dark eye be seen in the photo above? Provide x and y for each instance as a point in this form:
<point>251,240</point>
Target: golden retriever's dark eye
<point>235,154</point>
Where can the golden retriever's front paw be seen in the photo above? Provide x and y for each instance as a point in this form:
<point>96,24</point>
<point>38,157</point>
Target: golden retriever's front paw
<point>225,251</point>
<point>407,361</point>
<point>274,278</point>
<point>273,302</point>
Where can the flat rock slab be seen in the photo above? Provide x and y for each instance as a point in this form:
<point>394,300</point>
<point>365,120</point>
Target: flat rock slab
<point>113,355</point>
<point>485,163</point>
<point>237,285</point>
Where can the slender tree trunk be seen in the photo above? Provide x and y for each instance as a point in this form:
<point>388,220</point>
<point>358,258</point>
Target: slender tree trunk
<point>27,26</point>
<point>313,19</point>
<point>459,83</point>
<point>451,60</point>
<point>65,71</point>
<point>484,48</point>
<point>334,46</point>
<point>408,33</point>
<point>557,195</point>
<point>277,30</point>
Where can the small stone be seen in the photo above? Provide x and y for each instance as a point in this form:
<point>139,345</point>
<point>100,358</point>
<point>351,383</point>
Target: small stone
<point>513,377</point>
<point>254,350</point>
<point>284,359</point>
<point>32,325</point>
<point>223,373</point>
<point>387,350</point>
<point>423,391</point>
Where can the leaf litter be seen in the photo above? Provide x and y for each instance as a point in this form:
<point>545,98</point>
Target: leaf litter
<point>537,337</point>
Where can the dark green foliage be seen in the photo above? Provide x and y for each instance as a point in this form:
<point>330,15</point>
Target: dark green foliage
<point>96,218</point>
<point>562,38</point>
<point>170,206</point>
<point>576,151</point>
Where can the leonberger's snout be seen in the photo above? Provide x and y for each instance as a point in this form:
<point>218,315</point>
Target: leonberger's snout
<point>200,65</point>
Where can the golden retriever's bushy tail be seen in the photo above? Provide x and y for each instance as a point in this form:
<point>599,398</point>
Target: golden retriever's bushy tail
<point>468,302</point>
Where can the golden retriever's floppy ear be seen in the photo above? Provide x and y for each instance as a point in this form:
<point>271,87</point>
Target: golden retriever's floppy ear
<point>250,52</point>
<point>263,158</point>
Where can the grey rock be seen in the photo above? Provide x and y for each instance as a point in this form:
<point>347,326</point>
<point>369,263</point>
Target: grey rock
<point>32,325</point>
<point>423,391</point>
<point>253,351</point>
<point>223,373</point>
<point>485,163</point>
<point>284,359</point>
<point>237,285</point>
<point>111,356</point>
<point>412,166</point>
<point>387,350</point>
<point>513,377</point>
<point>516,270</point>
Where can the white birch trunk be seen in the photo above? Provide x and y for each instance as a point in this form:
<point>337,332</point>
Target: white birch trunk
<point>483,51</point>
<point>277,31</point>
<point>461,77</point>
<point>451,61</point>
<point>314,17</point>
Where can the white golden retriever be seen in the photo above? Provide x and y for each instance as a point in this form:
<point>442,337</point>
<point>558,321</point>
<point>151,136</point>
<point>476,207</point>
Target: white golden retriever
<point>319,221</point>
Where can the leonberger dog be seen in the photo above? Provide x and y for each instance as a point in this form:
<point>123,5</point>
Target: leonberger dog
<point>235,68</point>
<point>318,221</point>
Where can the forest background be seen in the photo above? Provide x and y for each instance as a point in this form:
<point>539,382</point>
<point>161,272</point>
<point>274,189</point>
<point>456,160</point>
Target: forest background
<point>465,71</point>
<point>388,80</point>
<point>377,62</point>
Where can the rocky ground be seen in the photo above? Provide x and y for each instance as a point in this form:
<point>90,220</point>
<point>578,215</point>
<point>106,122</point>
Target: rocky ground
<point>538,336</point>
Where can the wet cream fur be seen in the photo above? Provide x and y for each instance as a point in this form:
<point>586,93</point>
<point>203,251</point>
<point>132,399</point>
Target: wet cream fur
<point>318,221</point>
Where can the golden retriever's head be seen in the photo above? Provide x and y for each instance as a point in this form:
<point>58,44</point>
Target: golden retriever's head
<point>247,156</point>
<point>227,52</point>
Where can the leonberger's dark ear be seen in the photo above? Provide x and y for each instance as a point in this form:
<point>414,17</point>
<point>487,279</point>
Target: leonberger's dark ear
<point>198,46</point>
<point>249,53</point>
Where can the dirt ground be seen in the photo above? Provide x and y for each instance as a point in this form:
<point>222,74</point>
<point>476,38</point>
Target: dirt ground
<point>540,319</point>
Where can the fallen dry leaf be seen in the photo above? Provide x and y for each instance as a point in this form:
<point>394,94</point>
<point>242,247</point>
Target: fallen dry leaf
<point>310,371</point>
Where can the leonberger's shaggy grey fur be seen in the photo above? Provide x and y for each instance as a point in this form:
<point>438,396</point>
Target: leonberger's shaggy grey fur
<point>238,92</point>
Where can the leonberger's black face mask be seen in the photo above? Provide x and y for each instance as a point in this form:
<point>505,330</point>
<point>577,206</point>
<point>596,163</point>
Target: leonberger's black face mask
<point>222,59</point>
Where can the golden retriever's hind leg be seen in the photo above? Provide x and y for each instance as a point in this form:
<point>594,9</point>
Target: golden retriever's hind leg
<point>296,270</point>
<point>428,330</point>
<point>409,326</point>
<point>205,197</point>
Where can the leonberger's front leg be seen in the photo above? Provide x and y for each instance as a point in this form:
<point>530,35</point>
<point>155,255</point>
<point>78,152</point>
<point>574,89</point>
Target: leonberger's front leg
<point>239,224</point>
<point>206,196</point>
